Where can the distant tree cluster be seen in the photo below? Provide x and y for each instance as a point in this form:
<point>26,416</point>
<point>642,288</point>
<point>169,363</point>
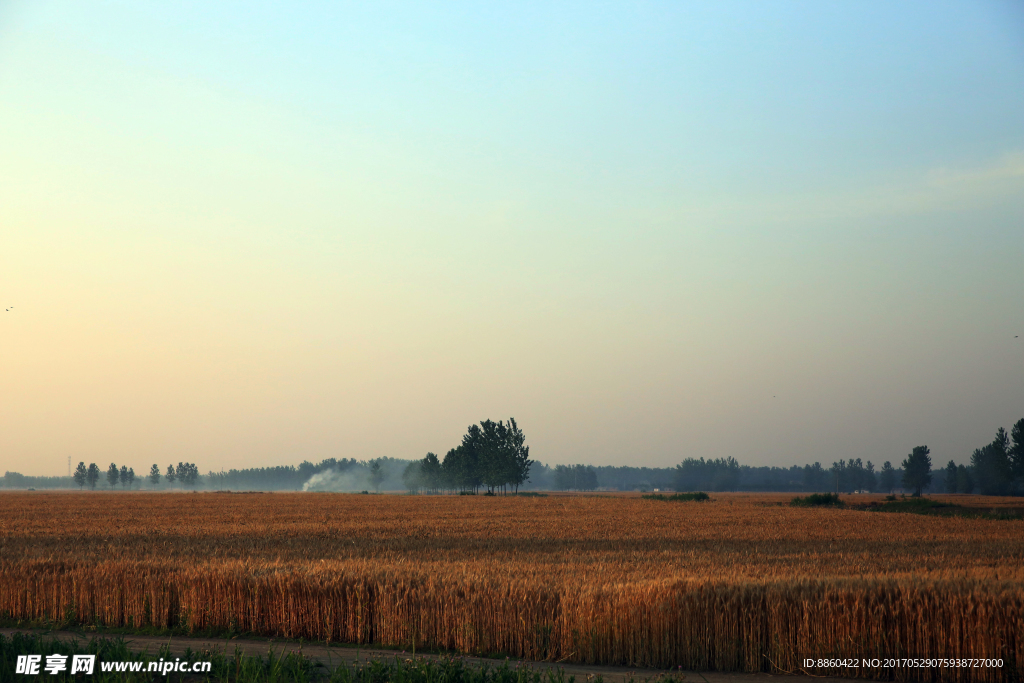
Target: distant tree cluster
<point>888,477</point>
<point>290,477</point>
<point>125,476</point>
<point>187,473</point>
<point>720,474</point>
<point>957,478</point>
<point>815,477</point>
<point>770,478</point>
<point>17,480</point>
<point>996,469</point>
<point>90,476</point>
<point>492,455</point>
<point>624,478</point>
<point>575,478</point>
<point>846,475</point>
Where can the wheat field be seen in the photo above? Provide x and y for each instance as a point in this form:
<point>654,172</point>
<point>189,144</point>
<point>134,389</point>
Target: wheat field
<point>741,583</point>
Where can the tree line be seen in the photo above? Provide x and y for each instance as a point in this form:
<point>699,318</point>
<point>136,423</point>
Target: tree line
<point>576,478</point>
<point>492,455</point>
<point>186,473</point>
<point>996,469</point>
<point>852,475</point>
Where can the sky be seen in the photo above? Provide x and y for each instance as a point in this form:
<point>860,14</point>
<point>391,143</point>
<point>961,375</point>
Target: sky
<point>252,234</point>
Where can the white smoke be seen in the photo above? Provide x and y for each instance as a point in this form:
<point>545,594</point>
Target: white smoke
<point>333,480</point>
<point>356,478</point>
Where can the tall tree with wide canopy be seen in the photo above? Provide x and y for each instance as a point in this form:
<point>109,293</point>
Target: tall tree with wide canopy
<point>492,454</point>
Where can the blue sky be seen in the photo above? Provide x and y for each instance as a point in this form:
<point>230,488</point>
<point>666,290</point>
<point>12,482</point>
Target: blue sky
<point>782,232</point>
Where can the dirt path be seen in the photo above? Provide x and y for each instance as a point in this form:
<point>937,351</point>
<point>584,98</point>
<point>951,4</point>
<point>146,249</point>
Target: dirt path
<point>334,655</point>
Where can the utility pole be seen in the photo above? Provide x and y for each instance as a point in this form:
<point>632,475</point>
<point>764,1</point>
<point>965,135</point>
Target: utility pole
<point>69,467</point>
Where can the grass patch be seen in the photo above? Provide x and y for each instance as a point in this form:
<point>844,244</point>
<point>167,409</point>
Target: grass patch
<point>678,497</point>
<point>818,500</point>
<point>921,506</point>
<point>935,508</point>
<point>237,668</point>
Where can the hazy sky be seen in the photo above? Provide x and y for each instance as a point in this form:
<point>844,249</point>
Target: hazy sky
<point>245,234</point>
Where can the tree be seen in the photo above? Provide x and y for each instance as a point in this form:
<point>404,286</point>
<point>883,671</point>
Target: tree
<point>113,474</point>
<point>80,475</point>
<point>131,477</point>
<point>430,472</point>
<point>887,477</point>
<point>170,476</point>
<point>575,477</point>
<point>450,466</point>
<point>154,474</point>
<point>917,469</point>
<point>492,454</point>
<point>471,475</point>
<point>412,477</point>
<point>377,474</point>
<point>123,475</point>
<point>815,477</point>
<point>461,465</point>
<point>992,466</point>
<point>964,480</point>
<point>838,471</point>
<point>854,475</point>
<point>563,477</point>
<point>502,456</point>
<point>187,473</point>
<point>92,475</point>
<point>1017,451</point>
<point>870,478</point>
<point>720,474</point>
<point>951,473</point>
<point>586,478</point>
<point>520,453</point>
